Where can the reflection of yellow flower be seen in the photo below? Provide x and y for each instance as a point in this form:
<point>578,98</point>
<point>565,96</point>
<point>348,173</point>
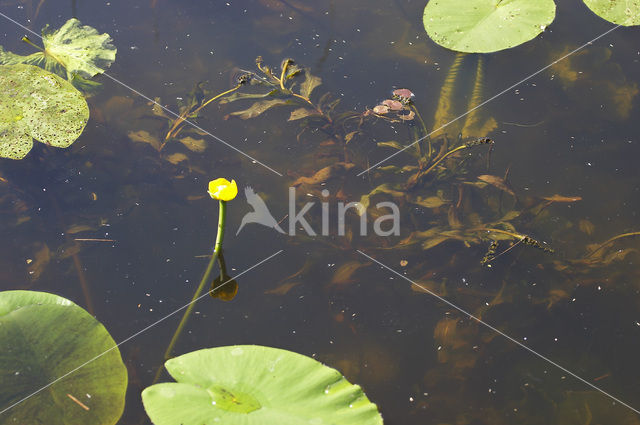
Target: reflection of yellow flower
<point>223,189</point>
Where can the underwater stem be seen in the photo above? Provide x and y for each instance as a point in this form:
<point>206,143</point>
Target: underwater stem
<point>284,71</point>
<point>424,129</point>
<point>608,241</point>
<point>442,159</point>
<point>205,279</point>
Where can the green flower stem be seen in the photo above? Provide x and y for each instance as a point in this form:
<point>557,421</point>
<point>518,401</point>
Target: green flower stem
<point>203,283</point>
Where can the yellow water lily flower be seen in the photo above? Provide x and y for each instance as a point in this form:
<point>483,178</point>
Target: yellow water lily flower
<point>223,189</point>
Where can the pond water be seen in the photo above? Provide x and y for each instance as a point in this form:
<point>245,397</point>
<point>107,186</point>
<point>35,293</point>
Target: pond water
<point>571,130</point>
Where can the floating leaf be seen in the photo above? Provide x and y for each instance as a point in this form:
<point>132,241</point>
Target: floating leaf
<point>381,109</point>
<point>258,108</point>
<point>483,26</point>
<point>394,105</point>
<point>43,337</point>
<point>38,105</point>
<point>254,385</point>
<point>76,48</point>
<point>309,84</point>
<point>621,12</point>
<point>404,94</point>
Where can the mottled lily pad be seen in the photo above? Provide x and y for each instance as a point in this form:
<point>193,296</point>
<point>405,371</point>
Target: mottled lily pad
<point>483,26</point>
<point>254,385</point>
<point>621,12</point>
<point>36,104</point>
<point>43,337</point>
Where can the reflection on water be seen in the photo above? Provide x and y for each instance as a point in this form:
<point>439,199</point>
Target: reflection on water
<point>562,172</point>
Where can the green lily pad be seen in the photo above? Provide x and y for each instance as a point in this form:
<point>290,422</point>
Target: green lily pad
<point>37,104</point>
<point>254,385</point>
<point>75,49</point>
<point>621,12</point>
<point>484,26</point>
<point>43,337</point>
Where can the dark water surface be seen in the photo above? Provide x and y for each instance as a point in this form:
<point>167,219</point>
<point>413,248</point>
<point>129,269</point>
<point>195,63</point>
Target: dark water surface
<point>571,130</point>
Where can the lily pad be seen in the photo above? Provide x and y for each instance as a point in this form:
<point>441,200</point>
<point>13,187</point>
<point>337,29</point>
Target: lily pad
<point>621,12</point>
<point>78,50</point>
<point>37,104</point>
<point>254,385</point>
<point>43,337</point>
<point>484,26</point>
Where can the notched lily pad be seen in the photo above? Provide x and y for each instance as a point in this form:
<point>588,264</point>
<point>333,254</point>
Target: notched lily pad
<point>484,26</point>
<point>254,385</point>
<point>621,12</point>
<point>37,104</point>
<point>43,337</point>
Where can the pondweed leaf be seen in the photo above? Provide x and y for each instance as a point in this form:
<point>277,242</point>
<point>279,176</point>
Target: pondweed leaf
<point>258,108</point>
<point>498,182</point>
<point>143,136</point>
<point>300,113</point>
<point>242,96</point>
<point>324,174</point>
<point>309,84</point>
